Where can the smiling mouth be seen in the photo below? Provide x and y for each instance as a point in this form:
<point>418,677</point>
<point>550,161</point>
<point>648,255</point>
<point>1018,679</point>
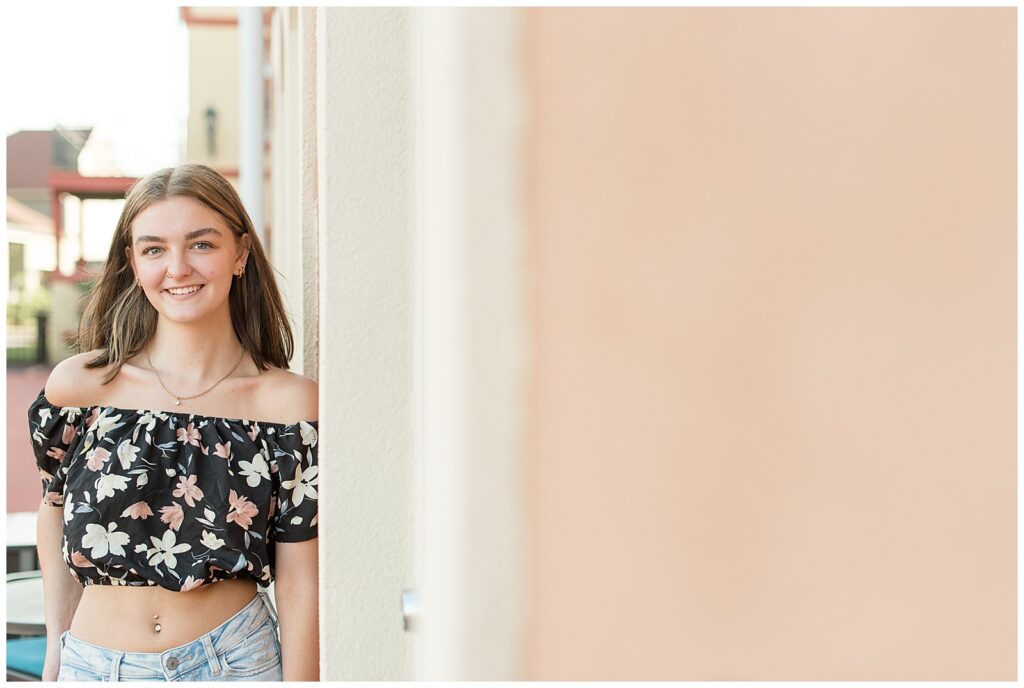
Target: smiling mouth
<point>184,291</point>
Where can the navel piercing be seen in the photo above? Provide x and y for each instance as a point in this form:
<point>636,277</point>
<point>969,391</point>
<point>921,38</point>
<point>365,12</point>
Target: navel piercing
<point>157,626</point>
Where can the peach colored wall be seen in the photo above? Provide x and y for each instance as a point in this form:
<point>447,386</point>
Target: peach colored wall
<point>773,328</point>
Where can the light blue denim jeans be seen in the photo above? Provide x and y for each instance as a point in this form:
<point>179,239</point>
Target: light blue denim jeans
<point>243,648</point>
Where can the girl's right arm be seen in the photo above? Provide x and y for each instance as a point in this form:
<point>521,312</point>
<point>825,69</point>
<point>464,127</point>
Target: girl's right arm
<point>61,592</point>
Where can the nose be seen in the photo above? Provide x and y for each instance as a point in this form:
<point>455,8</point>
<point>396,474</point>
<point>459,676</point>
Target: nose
<point>177,266</point>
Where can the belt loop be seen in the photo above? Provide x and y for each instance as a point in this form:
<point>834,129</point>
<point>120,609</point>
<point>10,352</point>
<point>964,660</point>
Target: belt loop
<point>270,608</point>
<point>211,655</point>
<point>115,666</point>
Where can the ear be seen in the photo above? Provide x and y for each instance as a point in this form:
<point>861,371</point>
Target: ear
<point>243,249</point>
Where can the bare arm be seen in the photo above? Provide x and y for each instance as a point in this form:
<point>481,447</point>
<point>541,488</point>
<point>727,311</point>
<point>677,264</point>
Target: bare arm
<point>61,592</point>
<point>296,593</point>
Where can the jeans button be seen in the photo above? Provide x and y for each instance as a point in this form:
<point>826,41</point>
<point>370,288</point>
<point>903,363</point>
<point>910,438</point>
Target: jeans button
<point>172,663</point>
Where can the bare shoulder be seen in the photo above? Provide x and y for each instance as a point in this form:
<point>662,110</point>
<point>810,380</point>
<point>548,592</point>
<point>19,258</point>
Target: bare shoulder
<point>298,394</point>
<point>71,383</point>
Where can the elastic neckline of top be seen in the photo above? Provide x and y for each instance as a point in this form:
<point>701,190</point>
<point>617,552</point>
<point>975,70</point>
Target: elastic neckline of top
<point>179,414</point>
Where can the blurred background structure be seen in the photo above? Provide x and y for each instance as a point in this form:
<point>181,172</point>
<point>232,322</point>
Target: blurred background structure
<point>669,343</point>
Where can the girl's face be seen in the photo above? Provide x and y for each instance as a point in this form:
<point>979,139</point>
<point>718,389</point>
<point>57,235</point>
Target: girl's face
<point>185,256</point>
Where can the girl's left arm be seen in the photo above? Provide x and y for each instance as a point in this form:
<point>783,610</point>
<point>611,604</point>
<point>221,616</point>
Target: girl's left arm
<point>296,593</point>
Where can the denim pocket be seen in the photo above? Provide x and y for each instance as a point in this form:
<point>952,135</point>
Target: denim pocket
<point>78,662</point>
<point>70,672</point>
<point>256,653</point>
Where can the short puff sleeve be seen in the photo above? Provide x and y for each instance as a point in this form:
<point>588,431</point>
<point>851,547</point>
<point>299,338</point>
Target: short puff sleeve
<point>54,431</point>
<point>294,475</point>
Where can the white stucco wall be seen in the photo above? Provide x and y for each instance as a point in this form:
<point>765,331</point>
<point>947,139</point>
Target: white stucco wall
<point>306,201</point>
<point>364,148</point>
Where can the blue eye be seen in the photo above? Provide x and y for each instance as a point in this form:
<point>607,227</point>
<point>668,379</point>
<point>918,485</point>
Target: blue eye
<point>205,243</point>
<point>146,251</point>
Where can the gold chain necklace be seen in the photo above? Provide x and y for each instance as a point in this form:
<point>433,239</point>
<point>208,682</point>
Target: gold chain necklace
<point>178,397</point>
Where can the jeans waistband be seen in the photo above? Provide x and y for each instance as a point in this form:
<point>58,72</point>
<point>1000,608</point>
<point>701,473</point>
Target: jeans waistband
<point>177,660</point>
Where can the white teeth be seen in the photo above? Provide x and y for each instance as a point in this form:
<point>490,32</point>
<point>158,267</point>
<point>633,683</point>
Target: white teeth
<point>186,290</point>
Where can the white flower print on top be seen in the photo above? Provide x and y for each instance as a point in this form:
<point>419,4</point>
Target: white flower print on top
<point>106,485</point>
<point>126,453</point>
<point>191,583</point>
<point>302,484</point>
<point>103,540</point>
<point>211,541</point>
<point>148,420</point>
<point>164,549</point>
<point>255,470</point>
<point>104,423</point>
<point>308,433</point>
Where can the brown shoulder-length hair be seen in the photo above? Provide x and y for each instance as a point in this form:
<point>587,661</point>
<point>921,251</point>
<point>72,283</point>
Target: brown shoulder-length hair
<point>120,320</point>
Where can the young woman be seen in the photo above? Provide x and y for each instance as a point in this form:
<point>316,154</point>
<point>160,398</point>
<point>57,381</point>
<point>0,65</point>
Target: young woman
<point>179,457</point>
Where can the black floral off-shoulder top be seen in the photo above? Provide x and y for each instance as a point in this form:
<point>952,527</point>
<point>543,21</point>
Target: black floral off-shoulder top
<point>177,500</point>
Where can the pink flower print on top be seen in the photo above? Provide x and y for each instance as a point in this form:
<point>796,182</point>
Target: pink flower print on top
<point>138,510</point>
<point>96,458</point>
<point>172,515</point>
<point>242,510</point>
<point>223,450</point>
<point>56,453</point>
<point>189,435</point>
<point>187,489</point>
<point>69,434</point>
<point>78,559</point>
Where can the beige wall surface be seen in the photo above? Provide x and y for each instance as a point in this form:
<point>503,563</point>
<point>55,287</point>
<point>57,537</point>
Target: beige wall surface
<point>773,320</point>
<point>213,82</point>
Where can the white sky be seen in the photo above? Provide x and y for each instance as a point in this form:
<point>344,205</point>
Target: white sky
<point>121,69</point>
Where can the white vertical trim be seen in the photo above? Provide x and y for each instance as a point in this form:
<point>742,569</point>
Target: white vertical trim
<point>251,116</point>
<point>287,246</point>
<point>471,345</point>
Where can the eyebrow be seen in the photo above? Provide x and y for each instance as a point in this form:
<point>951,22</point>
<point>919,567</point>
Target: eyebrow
<point>188,237</point>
